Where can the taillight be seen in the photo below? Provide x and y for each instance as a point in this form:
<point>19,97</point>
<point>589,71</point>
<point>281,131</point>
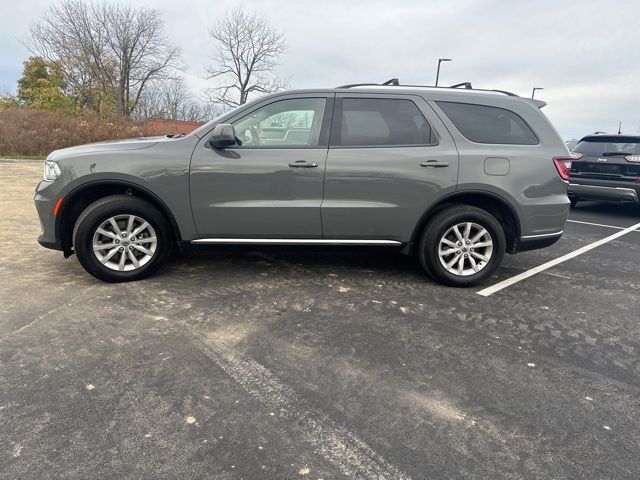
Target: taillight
<point>563,165</point>
<point>632,158</point>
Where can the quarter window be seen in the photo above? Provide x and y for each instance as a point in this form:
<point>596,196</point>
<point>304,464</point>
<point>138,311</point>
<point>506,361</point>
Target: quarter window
<point>382,122</point>
<point>294,122</point>
<point>484,124</point>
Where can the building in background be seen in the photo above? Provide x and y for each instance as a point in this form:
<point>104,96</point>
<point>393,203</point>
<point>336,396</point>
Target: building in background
<point>159,126</point>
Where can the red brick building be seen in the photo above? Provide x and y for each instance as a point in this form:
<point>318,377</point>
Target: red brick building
<point>159,126</point>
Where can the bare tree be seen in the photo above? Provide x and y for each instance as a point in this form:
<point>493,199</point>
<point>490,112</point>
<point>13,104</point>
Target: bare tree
<point>195,110</point>
<point>245,56</point>
<point>164,99</point>
<point>172,100</point>
<point>109,52</point>
<point>150,104</point>
<point>176,99</point>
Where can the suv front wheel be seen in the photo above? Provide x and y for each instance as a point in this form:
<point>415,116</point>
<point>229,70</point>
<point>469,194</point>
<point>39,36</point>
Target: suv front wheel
<point>462,245</point>
<point>121,238</point>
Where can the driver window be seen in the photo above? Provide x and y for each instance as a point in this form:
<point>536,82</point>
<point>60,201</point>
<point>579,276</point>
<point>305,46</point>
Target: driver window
<point>294,122</point>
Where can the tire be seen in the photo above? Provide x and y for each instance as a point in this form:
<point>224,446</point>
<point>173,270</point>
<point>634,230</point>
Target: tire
<point>89,243</point>
<point>441,228</point>
<point>574,202</point>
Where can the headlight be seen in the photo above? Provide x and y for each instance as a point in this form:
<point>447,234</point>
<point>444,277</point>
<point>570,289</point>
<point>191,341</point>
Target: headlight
<point>51,170</point>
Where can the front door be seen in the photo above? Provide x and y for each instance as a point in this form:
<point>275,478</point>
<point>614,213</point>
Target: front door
<point>271,185</point>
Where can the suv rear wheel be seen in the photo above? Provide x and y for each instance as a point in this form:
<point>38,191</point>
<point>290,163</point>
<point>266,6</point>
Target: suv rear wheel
<point>462,245</point>
<point>121,238</point>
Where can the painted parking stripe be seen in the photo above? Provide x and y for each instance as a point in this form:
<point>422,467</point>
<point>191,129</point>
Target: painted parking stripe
<point>344,449</point>
<point>597,224</point>
<point>529,273</point>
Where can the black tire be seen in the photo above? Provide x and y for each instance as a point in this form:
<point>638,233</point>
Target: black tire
<point>574,202</point>
<point>436,229</point>
<point>100,211</point>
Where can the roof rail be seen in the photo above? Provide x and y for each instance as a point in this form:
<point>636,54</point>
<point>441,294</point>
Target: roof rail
<point>505,92</point>
<point>351,85</point>
<point>394,82</point>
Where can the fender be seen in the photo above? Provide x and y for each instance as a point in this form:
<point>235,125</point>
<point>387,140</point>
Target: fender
<point>70,194</point>
<point>446,198</point>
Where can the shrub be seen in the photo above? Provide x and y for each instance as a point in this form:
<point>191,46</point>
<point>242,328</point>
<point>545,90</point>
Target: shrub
<point>26,132</point>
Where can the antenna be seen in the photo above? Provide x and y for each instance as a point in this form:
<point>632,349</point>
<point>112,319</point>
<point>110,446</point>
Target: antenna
<point>620,128</point>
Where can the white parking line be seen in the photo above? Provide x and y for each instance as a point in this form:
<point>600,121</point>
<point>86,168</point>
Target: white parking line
<point>597,224</point>
<point>343,448</point>
<point>529,273</point>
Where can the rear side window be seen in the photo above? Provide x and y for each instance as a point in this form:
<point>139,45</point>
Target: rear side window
<point>382,122</point>
<point>484,124</point>
<point>608,146</point>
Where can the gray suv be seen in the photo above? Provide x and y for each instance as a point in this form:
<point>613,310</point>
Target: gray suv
<point>456,176</point>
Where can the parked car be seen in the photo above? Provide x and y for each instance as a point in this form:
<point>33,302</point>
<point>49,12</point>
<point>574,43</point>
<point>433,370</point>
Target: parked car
<point>606,168</point>
<point>571,143</point>
<point>456,176</point>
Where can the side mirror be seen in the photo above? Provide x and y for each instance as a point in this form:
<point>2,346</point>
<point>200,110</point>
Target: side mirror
<point>224,135</point>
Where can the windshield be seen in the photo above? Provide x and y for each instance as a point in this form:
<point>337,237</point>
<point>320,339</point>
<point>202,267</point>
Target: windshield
<point>608,146</point>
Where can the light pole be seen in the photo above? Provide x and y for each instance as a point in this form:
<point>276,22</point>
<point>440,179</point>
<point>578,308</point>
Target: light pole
<point>533,92</point>
<point>440,60</point>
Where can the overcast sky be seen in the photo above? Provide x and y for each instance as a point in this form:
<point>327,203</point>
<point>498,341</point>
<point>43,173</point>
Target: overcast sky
<point>586,54</point>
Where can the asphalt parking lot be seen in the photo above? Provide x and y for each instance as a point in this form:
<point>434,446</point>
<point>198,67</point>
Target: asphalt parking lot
<point>287,363</point>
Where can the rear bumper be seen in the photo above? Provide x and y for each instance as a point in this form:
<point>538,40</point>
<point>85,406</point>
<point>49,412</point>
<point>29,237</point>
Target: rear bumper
<point>535,242</point>
<point>605,193</point>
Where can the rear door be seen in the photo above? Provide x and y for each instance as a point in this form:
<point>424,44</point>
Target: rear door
<point>389,158</point>
<point>607,158</point>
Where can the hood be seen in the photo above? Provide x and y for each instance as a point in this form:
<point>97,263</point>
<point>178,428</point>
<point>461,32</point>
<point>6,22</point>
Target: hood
<point>108,146</point>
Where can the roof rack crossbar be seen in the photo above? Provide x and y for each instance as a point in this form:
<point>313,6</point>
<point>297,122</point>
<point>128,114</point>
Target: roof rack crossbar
<point>466,85</point>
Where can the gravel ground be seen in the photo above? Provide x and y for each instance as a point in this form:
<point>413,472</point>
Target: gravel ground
<point>287,363</point>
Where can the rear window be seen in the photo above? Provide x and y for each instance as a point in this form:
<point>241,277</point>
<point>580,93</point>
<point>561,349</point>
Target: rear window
<point>484,124</point>
<point>608,146</point>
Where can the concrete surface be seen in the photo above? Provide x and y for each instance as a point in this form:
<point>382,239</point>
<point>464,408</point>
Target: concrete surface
<point>287,363</point>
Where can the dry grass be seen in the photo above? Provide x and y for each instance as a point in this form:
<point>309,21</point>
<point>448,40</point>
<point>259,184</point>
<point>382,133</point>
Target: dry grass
<point>35,133</point>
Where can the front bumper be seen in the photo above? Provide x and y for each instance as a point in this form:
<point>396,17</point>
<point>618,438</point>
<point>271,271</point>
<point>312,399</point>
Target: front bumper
<point>614,193</point>
<point>53,245</point>
<point>44,200</point>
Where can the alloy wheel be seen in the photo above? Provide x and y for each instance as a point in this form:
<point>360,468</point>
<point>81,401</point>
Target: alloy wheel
<point>465,249</point>
<point>124,243</point>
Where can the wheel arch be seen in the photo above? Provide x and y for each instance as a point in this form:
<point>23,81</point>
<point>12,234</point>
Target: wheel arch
<point>83,195</point>
<point>491,202</point>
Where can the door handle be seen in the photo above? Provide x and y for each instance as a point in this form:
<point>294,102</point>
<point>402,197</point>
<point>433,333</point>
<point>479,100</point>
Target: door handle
<point>302,164</point>
<point>434,164</point>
